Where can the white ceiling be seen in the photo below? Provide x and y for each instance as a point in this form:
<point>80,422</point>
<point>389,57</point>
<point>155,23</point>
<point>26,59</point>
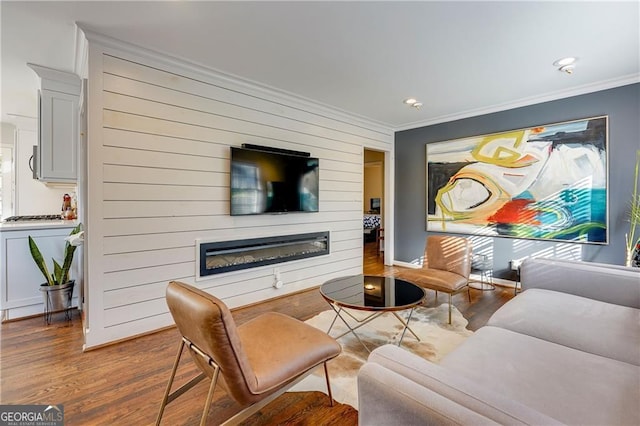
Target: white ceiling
<point>459,58</point>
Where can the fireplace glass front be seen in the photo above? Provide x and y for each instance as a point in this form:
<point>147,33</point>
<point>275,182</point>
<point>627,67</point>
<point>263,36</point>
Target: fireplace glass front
<point>225,256</point>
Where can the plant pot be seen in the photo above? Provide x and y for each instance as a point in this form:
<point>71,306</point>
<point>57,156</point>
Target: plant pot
<point>57,298</point>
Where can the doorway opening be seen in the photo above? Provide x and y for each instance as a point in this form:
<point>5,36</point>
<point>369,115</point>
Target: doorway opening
<point>373,202</point>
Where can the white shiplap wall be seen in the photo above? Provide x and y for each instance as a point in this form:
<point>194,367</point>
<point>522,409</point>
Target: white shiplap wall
<point>158,149</point>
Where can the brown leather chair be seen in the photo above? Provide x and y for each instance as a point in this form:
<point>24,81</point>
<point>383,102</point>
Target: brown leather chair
<point>446,266</point>
<point>259,360</point>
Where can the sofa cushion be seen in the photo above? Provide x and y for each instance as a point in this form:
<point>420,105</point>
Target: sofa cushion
<point>571,386</point>
<point>600,328</point>
<point>434,279</point>
<point>463,393</point>
<point>615,284</point>
<point>388,398</point>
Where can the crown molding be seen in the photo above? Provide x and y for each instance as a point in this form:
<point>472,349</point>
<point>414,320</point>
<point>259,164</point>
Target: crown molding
<point>57,80</point>
<point>81,49</point>
<point>552,96</point>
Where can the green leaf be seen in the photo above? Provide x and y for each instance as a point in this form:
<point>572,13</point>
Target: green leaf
<point>57,273</point>
<point>60,273</point>
<point>39,260</point>
<point>634,211</point>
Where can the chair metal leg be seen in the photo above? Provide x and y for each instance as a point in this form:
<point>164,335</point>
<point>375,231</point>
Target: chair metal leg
<point>207,404</point>
<point>250,410</point>
<point>326,375</point>
<point>170,396</point>
<point>173,375</point>
<point>450,308</point>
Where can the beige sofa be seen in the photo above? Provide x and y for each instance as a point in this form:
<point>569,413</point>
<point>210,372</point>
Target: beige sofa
<point>565,351</point>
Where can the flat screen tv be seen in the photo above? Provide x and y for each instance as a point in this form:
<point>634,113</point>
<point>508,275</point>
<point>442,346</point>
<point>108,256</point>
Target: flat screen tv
<point>266,182</point>
<point>375,205</point>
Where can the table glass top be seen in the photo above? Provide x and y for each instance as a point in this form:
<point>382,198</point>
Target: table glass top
<point>372,293</point>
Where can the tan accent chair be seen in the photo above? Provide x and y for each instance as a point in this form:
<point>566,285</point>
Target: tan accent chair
<point>259,360</point>
<point>446,266</point>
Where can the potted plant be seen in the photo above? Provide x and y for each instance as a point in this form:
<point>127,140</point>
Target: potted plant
<point>58,289</point>
<point>633,245</point>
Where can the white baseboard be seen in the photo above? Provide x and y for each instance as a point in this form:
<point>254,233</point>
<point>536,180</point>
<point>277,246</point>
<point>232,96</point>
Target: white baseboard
<point>504,283</point>
<point>497,281</point>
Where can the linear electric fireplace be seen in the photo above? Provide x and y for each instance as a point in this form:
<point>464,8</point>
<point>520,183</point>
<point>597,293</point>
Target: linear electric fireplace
<point>225,256</point>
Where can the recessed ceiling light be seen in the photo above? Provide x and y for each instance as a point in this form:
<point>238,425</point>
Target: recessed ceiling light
<point>566,65</point>
<point>410,101</point>
<point>565,61</point>
<point>567,68</point>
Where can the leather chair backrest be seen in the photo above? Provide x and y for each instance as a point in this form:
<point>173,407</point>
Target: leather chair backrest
<point>446,253</point>
<point>207,322</point>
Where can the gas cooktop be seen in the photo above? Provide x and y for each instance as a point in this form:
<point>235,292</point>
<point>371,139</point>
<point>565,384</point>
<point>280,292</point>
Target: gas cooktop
<point>33,218</point>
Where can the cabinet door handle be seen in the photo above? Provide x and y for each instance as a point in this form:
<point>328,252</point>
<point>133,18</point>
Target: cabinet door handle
<point>31,163</point>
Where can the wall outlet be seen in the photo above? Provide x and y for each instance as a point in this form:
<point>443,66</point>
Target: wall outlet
<point>277,280</point>
<point>514,264</point>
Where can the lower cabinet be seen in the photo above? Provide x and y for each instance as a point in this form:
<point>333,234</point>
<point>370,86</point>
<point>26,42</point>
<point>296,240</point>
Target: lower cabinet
<point>20,278</point>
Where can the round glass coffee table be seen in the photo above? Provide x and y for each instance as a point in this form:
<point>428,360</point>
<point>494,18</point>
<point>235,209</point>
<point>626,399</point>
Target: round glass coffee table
<point>374,294</point>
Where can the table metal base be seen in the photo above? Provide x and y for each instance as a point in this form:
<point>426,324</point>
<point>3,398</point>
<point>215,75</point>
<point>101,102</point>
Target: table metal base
<point>480,285</point>
<point>367,320</point>
<point>482,264</point>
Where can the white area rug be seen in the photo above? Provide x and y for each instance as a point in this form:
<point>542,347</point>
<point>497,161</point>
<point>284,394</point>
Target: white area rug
<point>438,338</point>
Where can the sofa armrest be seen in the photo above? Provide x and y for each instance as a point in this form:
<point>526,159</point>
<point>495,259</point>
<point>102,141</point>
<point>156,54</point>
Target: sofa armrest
<point>388,398</point>
<point>450,385</point>
<point>614,284</point>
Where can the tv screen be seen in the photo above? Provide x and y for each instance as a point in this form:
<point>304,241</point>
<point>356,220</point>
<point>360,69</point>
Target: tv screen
<point>375,205</point>
<point>272,182</point>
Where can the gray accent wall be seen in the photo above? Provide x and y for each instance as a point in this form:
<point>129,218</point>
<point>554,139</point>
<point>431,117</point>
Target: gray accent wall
<point>621,104</point>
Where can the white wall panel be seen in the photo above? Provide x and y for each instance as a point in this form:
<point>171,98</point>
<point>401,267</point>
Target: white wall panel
<point>150,142</point>
<point>163,160</point>
<point>120,209</point>
<point>181,83</point>
<point>179,130</point>
<point>135,295</point>
<point>159,176</point>
<point>132,96</point>
<point>143,259</point>
<point>159,143</point>
<point>220,220</point>
<point>143,242</point>
<point>195,118</point>
<point>154,192</point>
<point>141,276</point>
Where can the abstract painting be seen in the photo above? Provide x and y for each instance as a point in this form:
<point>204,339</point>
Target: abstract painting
<point>546,182</point>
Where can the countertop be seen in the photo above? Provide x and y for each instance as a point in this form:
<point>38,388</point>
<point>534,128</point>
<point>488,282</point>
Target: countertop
<point>38,224</point>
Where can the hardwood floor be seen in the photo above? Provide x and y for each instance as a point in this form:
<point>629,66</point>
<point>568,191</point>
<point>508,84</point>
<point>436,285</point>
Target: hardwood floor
<point>122,384</point>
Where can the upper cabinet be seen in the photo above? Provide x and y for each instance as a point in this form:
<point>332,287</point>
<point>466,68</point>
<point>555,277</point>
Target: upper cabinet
<point>56,157</point>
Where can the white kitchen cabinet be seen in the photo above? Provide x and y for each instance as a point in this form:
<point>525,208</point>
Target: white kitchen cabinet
<point>58,129</point>
<point>20,279</point>
<point>58,137</point>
